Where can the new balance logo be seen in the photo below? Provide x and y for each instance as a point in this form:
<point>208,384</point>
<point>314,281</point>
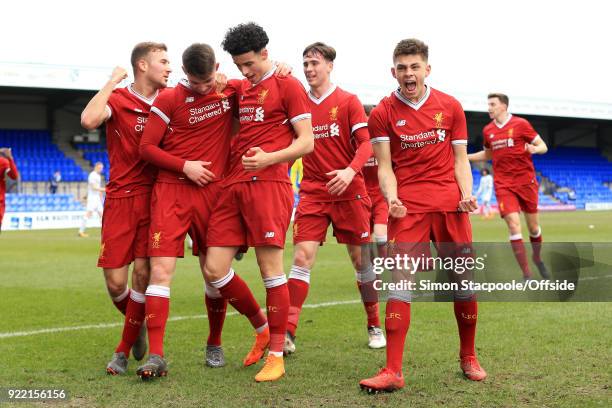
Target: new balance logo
<point>401,122</point>
<point>269,234</point>
<point>259,115</point>
<point>189,99</point>
<point>365,234</point>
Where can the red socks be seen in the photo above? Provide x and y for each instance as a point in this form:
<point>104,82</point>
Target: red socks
<point>134,318</point>
<point>397,322</point>
<point>466,313</point>
<point>520,254</point>
<point>277,303</point>
<point>216,308</point>
<point>238,294</point>
<point>157,307</point>
<point>299,283</point>
<point>369,296</point>
<point>365,283</point>
<point>121,301</point>
<point>536,246</point>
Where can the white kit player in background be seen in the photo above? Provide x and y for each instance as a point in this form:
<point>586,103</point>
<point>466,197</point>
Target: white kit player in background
<point>95,192</point>
<point>485,191</point>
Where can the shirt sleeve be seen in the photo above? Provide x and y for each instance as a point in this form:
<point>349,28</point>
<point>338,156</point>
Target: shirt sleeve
<point>358,122</point>
<point>91,180</point>
<point>295,100</point>
<point>357,115</point>
<point>459,134</point>
<point>528,132</point>
<point>164,106</point>
<point>485,141</point>
<point>149,145</point>
<point>111,105</point>
<point>377,126</point>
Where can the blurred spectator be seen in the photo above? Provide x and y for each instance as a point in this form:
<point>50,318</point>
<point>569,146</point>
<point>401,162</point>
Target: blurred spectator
<point>54,181</point>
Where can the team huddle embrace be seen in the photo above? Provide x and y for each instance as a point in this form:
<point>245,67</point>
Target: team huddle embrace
<point>210,158</point>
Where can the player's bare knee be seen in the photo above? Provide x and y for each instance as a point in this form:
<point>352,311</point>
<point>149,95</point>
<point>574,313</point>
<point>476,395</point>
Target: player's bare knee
<point>303,258</point>
<point>212,273</point>
<point>116,281</point>
<point>357,262</point>
<point>115,288</point>
<point>160,274</point>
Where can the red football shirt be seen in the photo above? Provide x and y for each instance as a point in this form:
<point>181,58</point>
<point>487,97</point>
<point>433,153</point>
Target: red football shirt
<point>370,175</point>
<point>199,127</point>
<point>267,111</point>
<point>8,168</point>
<point>512,163</point>
<point>129,174</point>
<point>421,136</point>
<point>336,117</point>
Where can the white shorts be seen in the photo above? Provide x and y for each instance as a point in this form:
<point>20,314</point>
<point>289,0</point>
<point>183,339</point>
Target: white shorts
<point>94,204</point>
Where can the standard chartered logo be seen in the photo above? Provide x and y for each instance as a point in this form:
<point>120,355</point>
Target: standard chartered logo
<point>334,130</point>
<point>259,115</point>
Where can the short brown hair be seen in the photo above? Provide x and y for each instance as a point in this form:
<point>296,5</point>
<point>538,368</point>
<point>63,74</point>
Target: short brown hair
<point>142,49</point>
<point>327,52</point>
<point>503,98</point>
<point>199,60</point>
<point>411,46</point>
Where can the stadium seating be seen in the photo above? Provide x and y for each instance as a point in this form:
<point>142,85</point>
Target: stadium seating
<point>95,152</point>
<point>37,157</point>
<point>582,170</point>
<point>42,202</point>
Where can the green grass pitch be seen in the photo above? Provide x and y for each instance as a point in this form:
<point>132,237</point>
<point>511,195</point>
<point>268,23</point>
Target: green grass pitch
<point>536,354</point>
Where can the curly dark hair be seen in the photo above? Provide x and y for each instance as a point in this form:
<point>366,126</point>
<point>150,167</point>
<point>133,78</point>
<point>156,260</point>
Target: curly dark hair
<point>244,38</point>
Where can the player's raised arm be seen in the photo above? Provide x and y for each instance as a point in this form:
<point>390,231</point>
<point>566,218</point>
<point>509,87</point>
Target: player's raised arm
<point>96,111</point>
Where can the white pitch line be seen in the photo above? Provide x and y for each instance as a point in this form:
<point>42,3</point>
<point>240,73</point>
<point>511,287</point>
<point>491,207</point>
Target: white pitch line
<point>171,319</point>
